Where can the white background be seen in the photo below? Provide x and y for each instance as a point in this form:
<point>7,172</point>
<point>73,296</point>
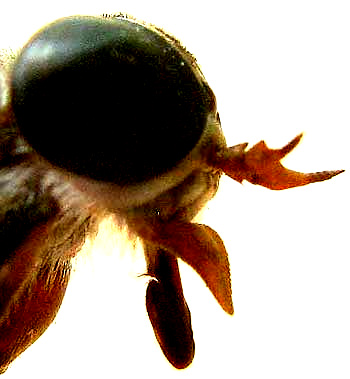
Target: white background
<point>277,68</point>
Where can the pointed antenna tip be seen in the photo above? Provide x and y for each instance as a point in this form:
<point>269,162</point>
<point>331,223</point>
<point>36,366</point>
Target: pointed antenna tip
<point>336,172</point>
<point>322,175</point>
<point>295,141</point>
<point>227,306</point>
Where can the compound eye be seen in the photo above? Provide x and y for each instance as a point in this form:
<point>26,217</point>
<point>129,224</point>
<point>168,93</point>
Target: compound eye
<point>108,98</point>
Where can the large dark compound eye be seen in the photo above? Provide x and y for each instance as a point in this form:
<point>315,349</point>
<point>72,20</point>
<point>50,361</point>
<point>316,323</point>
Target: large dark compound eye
<point>109,98</point>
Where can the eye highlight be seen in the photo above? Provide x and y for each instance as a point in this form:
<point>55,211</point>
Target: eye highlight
<point>114,116</point>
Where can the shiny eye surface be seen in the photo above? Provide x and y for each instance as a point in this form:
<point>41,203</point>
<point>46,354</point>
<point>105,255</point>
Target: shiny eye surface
<point>109,98</point>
